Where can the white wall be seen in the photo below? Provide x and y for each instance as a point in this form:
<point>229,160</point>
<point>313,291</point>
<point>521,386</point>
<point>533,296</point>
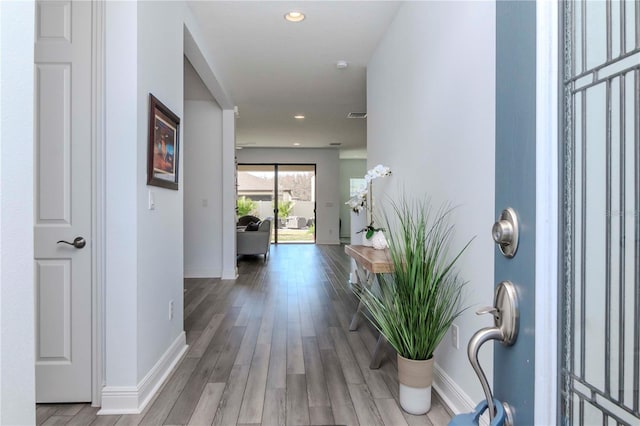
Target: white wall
<point>160,231</point>
<point>355,168</point>
<point>17,372</point>
<point>430,105</point>
<point>121,195</point>
<point>144,248</point>
<point>327,178</point>
<point>202,150</point>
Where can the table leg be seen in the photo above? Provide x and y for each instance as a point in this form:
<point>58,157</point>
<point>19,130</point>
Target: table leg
<point>378,353</point>
<point>364,279</point>
<point>355,320</point>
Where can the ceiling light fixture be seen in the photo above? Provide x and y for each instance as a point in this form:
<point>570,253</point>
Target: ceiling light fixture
<point>341,65</point>
<point>299,117</point>
<point>296,144</point>
<point>294,16</point>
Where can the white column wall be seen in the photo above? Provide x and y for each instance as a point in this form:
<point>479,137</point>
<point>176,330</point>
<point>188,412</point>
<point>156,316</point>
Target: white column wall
<point>121,160</point>
<point>229,269</point>
<point>17,372</point>
<point>144,247</point>
<point>160,231</point>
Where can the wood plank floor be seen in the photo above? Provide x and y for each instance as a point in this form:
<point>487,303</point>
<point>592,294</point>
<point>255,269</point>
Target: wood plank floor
<point>274,348</point>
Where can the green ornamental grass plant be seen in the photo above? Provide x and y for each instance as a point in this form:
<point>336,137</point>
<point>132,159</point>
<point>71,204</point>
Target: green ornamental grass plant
<point>415,305</point>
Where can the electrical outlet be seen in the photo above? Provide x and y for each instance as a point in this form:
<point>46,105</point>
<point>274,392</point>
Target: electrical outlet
<point>455,336</point>
<point>170,310</point>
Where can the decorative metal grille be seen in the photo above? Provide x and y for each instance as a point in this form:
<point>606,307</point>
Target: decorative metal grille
<point>601,204</point>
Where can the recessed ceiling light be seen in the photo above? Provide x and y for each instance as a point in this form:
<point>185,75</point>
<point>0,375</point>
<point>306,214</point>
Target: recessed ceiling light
<point>238,147</point>
<point>296,144</point>
<point>294,16</point>
<point>299,116</point>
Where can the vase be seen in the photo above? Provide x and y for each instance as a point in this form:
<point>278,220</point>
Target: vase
<point>366,241</point>
<point>415,378</point>
<point>378,241</point>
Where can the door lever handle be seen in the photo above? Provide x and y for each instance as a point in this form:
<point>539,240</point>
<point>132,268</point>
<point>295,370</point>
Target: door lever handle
<point>78,242</point>
<point>505,330</point>
<point>489,310</point>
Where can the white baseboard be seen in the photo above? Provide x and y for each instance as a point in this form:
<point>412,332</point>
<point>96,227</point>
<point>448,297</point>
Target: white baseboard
<point>328,242</point>
<point>203,273</point>
<point>452,395</point>
<point>230,274</point>
<point>134,399</point>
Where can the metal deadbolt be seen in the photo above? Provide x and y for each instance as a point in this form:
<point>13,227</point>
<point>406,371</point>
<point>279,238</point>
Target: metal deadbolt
<point>505,232</point>
<point>78,242</point>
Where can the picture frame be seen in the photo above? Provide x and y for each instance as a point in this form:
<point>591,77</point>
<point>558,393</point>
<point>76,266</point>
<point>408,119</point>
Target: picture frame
<point>163,146</point>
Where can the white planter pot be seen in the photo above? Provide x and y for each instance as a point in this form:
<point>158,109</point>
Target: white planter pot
<point>416,401</point>
<point>378,241</point>
<point>416,378</point>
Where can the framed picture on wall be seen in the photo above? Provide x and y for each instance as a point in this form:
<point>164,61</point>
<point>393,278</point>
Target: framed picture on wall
<point>164,145</point>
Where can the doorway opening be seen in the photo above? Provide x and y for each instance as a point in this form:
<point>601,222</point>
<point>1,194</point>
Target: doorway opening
<point>284,192</point>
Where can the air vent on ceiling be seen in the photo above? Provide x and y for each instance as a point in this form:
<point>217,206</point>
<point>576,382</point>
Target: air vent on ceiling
<point>357,115</point>
<point>335,144</point>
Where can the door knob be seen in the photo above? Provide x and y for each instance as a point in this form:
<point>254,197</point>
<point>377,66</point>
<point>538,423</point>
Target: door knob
<point>505,232</point>
<point>78,242</point>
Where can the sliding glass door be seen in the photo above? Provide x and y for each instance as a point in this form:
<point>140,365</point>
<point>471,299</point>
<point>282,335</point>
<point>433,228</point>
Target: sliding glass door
<point>285,193</point>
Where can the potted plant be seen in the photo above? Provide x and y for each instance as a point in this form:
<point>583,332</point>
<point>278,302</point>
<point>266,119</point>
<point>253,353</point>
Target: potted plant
<point>363,199</point>
<point>414,306</point>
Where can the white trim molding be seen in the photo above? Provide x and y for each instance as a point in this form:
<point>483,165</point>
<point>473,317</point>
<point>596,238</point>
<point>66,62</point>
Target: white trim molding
<point>97,200</point>
<point>134,399</point>
<point>229,268</point>
<point>452,395</point>
<point>547,199</point>
<point>203,273</point>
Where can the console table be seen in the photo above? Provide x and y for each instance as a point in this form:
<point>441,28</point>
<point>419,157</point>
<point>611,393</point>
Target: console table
<point>369,263</point>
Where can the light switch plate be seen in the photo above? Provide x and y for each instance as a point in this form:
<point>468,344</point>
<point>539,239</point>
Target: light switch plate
<point>152,200</point>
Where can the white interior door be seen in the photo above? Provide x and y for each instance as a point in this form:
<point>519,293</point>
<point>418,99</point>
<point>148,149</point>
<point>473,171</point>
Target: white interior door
<point>63,200</point>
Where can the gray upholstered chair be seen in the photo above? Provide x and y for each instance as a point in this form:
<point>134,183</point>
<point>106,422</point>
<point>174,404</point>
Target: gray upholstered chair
<point>255,242</point>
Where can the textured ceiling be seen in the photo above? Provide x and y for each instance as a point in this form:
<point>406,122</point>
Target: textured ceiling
<point>274,69</point>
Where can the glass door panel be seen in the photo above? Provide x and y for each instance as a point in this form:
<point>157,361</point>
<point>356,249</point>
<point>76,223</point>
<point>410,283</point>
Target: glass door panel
<point>256,192</point>
<point>296,203</point>
<point>293,186</point>
<point>601,168</point>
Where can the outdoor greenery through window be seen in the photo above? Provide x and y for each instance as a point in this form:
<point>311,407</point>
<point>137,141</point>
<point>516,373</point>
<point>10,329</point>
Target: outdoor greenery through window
<point>283,193</point>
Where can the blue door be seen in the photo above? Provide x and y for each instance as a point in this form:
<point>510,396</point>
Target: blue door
<point>576,360</point>
<point>514,365</point>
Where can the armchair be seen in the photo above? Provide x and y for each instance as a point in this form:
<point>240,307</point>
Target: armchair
<point>255,242</point>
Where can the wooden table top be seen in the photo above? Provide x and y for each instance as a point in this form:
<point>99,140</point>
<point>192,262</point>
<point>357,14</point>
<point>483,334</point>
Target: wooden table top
<point>375,261</point>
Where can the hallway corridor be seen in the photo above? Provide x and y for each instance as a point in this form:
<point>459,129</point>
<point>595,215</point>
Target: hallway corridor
<point>271,348</point>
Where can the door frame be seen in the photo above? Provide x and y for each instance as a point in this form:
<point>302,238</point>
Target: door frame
<point>98,203</point>
<point>548,145</point>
